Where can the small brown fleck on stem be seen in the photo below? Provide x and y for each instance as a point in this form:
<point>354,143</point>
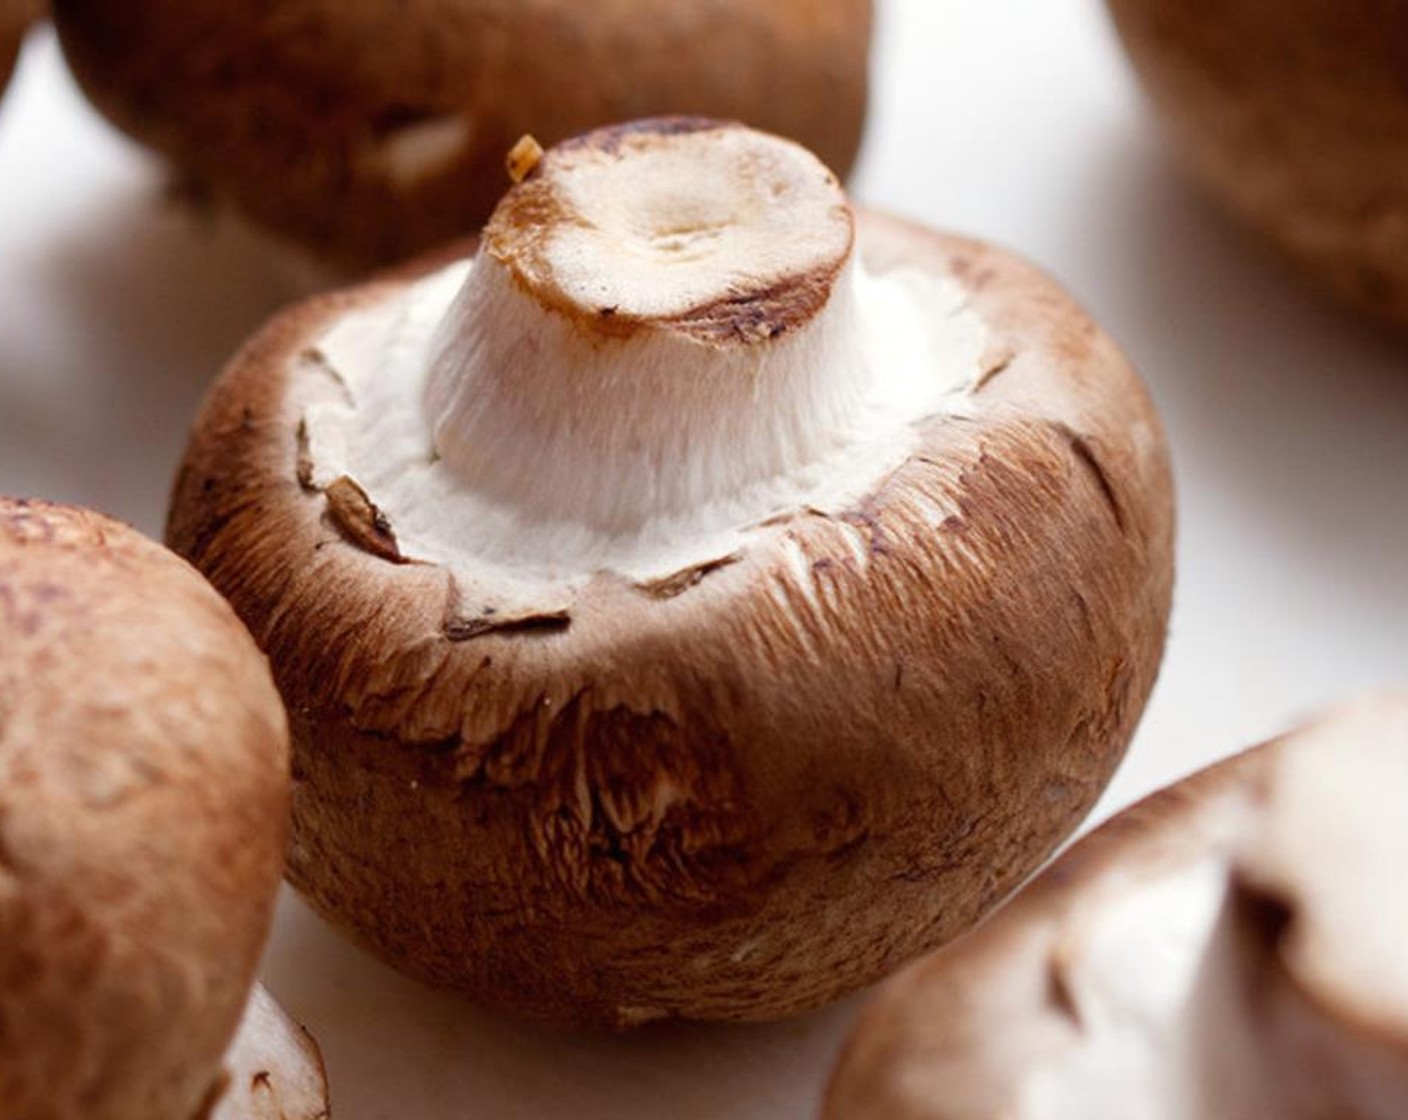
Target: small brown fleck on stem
<point>523,158</point>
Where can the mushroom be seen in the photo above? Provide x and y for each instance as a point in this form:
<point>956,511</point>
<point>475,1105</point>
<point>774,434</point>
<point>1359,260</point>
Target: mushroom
<point>15,18</point>
<point>1230,948</point>
<point>699,600</point>
<point>367,131</point>
<point>143,804</point>
<point>1293,114</point>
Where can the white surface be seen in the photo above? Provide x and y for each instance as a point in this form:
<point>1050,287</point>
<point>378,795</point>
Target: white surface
<point>1015,121</point>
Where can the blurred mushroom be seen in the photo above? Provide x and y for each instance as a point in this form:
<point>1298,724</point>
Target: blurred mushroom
<point>370,130</point>
<point>1294,115</point>
<point>699,601</point>
<point>143,804</point>
<point>1231,948</point>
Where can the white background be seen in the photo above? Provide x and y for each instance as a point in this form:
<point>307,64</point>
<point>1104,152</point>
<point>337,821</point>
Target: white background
<point>1015,121</point>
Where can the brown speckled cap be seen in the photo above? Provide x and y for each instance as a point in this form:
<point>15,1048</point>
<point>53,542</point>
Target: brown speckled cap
<point>143,797</point>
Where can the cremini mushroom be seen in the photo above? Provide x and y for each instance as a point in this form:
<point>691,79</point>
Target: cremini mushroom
<point>1294,115</point>
<point>143,801</point>
<point>367,130</point>
<point>15,18</point>
<point>1229,949</point>
<point>699,600</point>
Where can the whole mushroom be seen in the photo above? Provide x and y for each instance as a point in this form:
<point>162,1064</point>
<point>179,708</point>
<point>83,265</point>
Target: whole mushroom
<point>1294,115</point>
<point>697,601</point>
<point>143,802</point>
<point>1229,949</point>
<point>369,130</point>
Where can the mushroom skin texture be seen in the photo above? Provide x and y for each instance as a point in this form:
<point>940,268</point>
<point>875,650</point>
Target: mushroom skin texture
<point>746,786</point>
<point>1229,948</point>
<point>273,1069</point>
<point>15,18</point>
<point>143,802</point>
<point>367,131</point>
<point>1293,114</point>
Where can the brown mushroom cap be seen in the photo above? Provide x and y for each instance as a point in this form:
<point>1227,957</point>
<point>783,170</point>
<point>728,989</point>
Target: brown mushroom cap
<point>143,794</point>
<point>369,130</point>
<point>1293,114</point>
<point>1229,947</point>
<point>744,791</point>
<point>273,1069</point>
<point>15,18</point>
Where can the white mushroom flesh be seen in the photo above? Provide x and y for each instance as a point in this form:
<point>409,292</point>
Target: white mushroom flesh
<point>272,1069</point>
<point>1129,972</point>
<point>504,435</point>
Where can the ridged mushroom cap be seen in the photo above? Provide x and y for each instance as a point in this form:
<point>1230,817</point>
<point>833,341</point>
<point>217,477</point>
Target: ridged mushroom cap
<point>369,130</point>
<point>143,802</point>
<point>1294,115</point>
<point>1230,948</point>
<point>742,787</point>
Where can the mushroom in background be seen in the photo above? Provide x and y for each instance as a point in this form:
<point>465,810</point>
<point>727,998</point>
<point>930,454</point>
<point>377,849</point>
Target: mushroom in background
<point>371,129</point>
<point>143,814</point>
<point>1230,948</point>
<point>1294,115</point>
<point>699,600</point>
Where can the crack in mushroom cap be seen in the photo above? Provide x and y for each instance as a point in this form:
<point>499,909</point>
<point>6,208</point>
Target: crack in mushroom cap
<point>143,804</point>
<point>1229,948</point>
<point>749,786</point>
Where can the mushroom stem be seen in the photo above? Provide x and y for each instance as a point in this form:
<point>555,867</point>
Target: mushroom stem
<point>664,342</point>
<point>659,318</point>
